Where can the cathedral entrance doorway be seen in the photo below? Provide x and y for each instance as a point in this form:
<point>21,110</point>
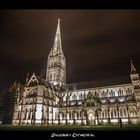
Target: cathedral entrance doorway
<point>91,117</point>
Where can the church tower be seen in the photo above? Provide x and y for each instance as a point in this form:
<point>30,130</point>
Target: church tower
<point>134,76</point>
<point>136,84</point>
<point>56,66</point>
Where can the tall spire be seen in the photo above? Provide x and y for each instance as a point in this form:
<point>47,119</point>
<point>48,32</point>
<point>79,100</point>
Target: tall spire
<point>133,69</point>
<point>57,47</point>
<point>56,66</point>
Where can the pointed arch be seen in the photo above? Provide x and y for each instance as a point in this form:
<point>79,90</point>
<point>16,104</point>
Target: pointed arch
<point>132,111</point>
<point>123,112</point>
<point>113,112</point>
<point>33,80</point>
<point>104,113</point>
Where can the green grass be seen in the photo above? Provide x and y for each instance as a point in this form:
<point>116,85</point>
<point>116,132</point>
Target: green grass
<point>132,127</point>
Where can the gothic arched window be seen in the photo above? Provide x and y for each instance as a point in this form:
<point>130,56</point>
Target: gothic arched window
<point>133,112</point>
<point>123,112</point>
<point>103,94</point>
<point>112,113</point>
<point>120,92</point>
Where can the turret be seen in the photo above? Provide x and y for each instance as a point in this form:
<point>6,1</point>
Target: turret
<point>136,84</point>
<point>134,76</point>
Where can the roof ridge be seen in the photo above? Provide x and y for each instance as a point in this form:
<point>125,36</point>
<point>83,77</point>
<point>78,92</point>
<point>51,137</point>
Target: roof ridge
<point>119,78</point>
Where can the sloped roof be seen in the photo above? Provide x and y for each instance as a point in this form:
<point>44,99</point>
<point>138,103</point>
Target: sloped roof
<point>102,83</point>
<point>44,82</point>
<point>48,84</point>
<point>14,87</point>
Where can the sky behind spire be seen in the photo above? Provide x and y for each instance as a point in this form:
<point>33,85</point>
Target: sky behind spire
<point>97,44</point>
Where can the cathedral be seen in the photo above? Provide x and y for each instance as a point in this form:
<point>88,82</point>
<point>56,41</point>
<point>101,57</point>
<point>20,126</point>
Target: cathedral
<point>51,101</point>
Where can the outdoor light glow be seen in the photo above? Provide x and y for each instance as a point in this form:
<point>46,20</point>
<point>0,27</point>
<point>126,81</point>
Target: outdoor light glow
<point>46,98</point>
<point>39,112</point>
<point>124,120</point>
<point>105,121</point>
<point>114,120</point>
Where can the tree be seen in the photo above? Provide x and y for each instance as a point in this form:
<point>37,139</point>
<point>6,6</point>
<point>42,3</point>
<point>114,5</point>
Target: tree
<point>97,107</point>
<point>74,115</point>
<point>82,113</point>
<point>97,110</point>
<point>59,94</point>
<point>68,94</point>
<point>117,103</point>
<point>120,122</point>
<point>108,111</point>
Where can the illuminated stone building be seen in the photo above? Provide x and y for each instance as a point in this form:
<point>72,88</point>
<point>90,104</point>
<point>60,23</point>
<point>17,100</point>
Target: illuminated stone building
<point>52,101</point>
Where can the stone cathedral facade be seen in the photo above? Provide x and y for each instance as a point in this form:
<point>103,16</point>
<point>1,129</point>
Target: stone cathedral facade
<point>51,101</point>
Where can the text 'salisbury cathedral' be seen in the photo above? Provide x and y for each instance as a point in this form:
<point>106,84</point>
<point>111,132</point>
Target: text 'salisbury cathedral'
<point>51,101</point>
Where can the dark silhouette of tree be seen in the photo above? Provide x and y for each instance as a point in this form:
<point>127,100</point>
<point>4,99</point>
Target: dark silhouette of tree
<point>59,92</point>
<point>68,94</point>
<point>108,111</point>
<point>97,106</point>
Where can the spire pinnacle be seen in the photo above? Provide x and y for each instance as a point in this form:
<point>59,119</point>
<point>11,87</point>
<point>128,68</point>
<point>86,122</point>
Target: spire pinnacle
<point>27,77</point>
<point>13,87</point>
<point>57,47</point>
<point>133,69</point>
<point>58,20</point>
<point>58,26</point>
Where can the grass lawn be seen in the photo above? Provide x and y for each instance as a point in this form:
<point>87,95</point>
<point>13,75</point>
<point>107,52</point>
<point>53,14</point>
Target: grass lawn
<point>131,127</point>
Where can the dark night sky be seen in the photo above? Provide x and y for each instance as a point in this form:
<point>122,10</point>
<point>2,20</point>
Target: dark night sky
<point>98,44</point>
